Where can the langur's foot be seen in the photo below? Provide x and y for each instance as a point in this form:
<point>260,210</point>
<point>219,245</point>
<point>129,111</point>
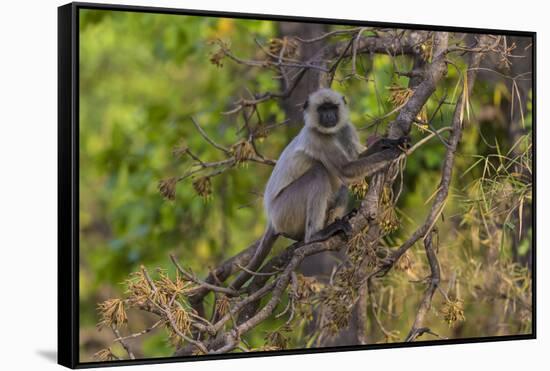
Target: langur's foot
<point>387,144</point>
<point>404,143</point>
<point>342,226</point>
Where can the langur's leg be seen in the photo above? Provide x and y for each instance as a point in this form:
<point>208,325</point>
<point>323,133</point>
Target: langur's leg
<point>317,203</point>
<point>338,206</point>
<point>335,221</point>
<point>300,209</point>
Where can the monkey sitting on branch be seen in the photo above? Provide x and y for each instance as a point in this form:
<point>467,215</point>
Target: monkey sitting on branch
<point>306,195</point>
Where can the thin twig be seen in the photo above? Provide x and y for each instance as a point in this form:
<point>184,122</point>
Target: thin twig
<point>123,343</point>
<point>207,138</point>
<point>256,273</point>
<point>142,332</point>
<point>417,329</point>
<point>201,283</point>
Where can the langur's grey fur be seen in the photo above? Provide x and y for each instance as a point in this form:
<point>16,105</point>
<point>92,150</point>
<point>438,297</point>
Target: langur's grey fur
<point>307,189</point>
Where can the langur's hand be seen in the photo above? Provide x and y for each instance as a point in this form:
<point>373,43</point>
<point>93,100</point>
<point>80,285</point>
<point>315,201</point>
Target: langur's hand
<point>379,145</point>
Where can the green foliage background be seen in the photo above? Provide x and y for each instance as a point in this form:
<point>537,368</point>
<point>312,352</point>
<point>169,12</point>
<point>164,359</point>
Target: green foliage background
<point>141,78</point>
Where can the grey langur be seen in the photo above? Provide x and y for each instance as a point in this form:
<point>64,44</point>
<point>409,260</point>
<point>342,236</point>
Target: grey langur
<point>307,190</point>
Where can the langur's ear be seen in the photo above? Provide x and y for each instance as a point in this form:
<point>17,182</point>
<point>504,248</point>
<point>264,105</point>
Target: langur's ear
<point>306,104</point>
<point>344,99</point>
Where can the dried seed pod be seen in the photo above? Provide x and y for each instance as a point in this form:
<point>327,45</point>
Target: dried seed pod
<point>112,313</point>
<point>170,288</point>
<point>359,190</point>
<point>387,196</point>
<point>167,188</point>
<point>405,262</point>
<point>222,305</point>
<point>388,220</point>
<point>336,301</point>
<point>104,355</point>
<point>306,287</point>
<point>399,95</point>
<point>289,44</point>
<point>266,348</point>
<point>453,312</point>
<point>359,249</point>
<point>261,132</point>
<point>182,322</point>
<point>203,187</point>
<point>138,288</point>
<point>242,151</point>
<point>197,352</point>
<point>216,58</point>
<point>426,49</point>
<point>423,117</point>
<point>276,339</point>
<point>180,150</point>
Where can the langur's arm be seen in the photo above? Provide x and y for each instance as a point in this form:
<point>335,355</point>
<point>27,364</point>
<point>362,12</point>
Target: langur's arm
<point>366,166</point>
<point>379,155</point>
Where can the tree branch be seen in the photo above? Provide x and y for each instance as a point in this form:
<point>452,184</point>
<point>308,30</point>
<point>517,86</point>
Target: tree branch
<point>417,329</point>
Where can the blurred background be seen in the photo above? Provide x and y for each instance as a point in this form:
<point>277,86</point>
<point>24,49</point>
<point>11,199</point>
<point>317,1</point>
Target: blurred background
<point>142,76</point>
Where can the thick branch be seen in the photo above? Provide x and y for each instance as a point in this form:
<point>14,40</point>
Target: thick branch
<point>380,45</point>
<point>432,74</point>
<point>446,172</point>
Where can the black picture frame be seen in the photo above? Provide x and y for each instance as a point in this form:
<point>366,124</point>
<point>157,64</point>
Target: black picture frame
<point>68,182</point>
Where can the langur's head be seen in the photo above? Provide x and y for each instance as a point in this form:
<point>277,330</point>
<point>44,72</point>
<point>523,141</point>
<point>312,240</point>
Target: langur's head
<point>326,111</point>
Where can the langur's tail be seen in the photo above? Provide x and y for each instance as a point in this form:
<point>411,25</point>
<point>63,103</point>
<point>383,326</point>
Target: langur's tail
<point>263,249</point>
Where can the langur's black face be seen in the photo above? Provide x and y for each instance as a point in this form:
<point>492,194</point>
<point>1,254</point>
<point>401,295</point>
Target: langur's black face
<point>328,114</point>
